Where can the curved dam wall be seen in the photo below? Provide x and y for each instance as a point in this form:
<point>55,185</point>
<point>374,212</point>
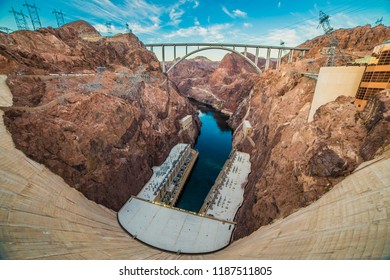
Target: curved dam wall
<point>41,217</point>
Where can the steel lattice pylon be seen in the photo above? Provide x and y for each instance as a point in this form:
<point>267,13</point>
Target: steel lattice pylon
<point>59,17</point>
<point>34,16</point>
<point>5,29</point>
<point>333,42</point>
<point>20,19</point>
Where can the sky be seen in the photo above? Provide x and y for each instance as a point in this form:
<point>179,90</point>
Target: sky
<point>213,21</point>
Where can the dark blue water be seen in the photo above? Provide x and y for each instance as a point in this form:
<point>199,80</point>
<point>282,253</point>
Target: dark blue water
<point>214,145</point>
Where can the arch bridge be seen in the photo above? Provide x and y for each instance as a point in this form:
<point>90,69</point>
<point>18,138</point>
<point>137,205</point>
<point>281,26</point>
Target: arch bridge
<point>228,47</point>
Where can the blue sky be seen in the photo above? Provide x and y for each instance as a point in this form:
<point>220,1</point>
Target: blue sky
<point>230,21</point>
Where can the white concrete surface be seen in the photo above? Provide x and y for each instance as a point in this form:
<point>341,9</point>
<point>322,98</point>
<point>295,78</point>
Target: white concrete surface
<point>172,229</point>
<point>5,93</point>
<point>227,196</point>
<point>333,82</point>
<point>161,173</point>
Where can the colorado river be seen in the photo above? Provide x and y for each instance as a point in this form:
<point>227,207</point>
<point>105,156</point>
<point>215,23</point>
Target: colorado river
<point>214,145</point>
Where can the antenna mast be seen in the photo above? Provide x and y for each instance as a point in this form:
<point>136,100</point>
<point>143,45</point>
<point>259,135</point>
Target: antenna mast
<point>20,19</point>
<point>59,17</point>
<point>33,12</point>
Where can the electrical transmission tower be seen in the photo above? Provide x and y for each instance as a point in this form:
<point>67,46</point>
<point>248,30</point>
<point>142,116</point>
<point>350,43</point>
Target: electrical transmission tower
<point>109,27</point>
<point>5,29</point>
<point>59,17</point>
<point>20,19</point>
<point>128,30</point>
<point>379,21</point>
<point>33,12</point>
<point>333,42</point>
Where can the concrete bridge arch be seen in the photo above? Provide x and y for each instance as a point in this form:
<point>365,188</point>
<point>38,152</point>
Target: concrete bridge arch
<point>215,48</point>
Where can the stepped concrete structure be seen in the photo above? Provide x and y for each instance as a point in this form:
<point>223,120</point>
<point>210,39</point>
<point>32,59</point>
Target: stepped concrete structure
<point>41,217</point>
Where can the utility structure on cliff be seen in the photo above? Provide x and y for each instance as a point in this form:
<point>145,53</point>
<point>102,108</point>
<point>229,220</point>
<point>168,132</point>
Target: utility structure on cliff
<point>379,21</point>
<point>20,19</point>
<point>59,17</point>
<point>34,16</point>
<point>333,42</point>
<point>109,27</point>
<point>5,29</point>
<point>128,29</point>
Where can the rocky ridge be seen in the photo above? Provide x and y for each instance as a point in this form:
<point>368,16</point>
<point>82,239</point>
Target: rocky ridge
<point>354,42</point>
<point>101,129</point>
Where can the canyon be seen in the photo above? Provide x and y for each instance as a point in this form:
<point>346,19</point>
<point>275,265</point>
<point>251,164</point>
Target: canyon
<point>78,132</point>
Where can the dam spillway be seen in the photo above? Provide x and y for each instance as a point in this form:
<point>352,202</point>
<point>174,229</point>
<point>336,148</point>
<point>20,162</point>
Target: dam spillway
<point>151,218</point>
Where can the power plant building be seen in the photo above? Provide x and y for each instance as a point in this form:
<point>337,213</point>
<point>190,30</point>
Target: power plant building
<point>169,178</point>
<point>376,77</point>
<point>186,122</point>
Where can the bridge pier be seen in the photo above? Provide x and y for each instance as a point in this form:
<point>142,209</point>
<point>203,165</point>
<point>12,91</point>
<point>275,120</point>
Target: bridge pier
<point>163,59</point>
<point>290,56</point>
<point>267,60</point>
<point>279,58</point>
<point>174,53</point>
<point>245,51</point>
<point>186,49</point>
<point>257,56</point>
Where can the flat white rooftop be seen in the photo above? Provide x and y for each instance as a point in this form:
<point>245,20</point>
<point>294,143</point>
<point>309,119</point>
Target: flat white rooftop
<point>173,229</point>
<point>149,191</point>
<point>226,197</point>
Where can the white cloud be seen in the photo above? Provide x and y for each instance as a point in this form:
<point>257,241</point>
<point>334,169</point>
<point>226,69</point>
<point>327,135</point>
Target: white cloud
<point>211,33</point>
<point>247,24</point>
<point>279,4</point>
<point>175,16</point>
<point>241,14</point>
<point>226,11</point>
<point>235,14</point>
<point>196,4</point>
<point>140,12</point>
<point>196,21</point>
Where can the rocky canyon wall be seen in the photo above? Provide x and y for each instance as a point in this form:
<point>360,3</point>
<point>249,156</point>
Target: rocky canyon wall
<point>295,162</point>
<point>222,85</point>
<point>101,129</point>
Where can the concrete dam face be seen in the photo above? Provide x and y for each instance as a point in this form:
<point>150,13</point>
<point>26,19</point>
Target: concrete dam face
<point>41,217</point>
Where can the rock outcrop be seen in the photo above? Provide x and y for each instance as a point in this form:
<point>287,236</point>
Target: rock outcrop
<point>97,111</point>
<point>222,87</point>
<point>295,162</point>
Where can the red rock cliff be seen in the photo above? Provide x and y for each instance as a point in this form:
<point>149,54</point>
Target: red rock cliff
<point>295,162</point>
<point>102,132</point>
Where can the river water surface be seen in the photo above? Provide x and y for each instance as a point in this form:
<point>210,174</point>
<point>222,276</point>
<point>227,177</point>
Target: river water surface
<point>214,145</point>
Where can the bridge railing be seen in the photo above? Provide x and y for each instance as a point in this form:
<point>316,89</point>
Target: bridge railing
<point>227,47</point>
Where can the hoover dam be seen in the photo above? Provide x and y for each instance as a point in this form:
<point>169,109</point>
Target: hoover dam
<point>99,137</point>
<point>43,218</point>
